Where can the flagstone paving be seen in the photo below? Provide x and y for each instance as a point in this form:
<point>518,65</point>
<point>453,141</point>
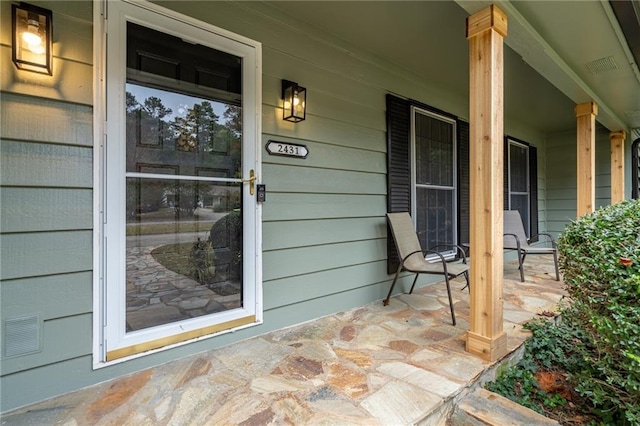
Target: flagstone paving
<point>372,365</point>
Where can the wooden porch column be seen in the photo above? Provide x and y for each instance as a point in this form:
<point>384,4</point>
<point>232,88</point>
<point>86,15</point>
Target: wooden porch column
<point>617,166</point>
<point>586,150</point>
<point>485,32</point>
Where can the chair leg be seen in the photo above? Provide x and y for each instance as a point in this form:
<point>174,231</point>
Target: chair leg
<point>414,283</point>
<point>453,315</point>
<point>521,261</point>
<point>385,302</point>
<point>555,262</point>
<point>466,277</point>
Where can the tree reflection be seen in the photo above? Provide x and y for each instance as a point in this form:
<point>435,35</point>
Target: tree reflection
<point>195,143</point>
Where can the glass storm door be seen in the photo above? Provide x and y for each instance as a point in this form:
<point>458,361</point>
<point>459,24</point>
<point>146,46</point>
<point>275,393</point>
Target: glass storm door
<point>184,261</point>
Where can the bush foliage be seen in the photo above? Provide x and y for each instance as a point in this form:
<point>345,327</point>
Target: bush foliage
<point>600,261</point>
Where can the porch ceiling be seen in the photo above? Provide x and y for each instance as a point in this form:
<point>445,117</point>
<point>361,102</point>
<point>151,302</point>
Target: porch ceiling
<point>551,46</point>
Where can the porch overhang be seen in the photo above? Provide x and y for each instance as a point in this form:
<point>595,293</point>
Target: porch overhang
<point>542,57</point>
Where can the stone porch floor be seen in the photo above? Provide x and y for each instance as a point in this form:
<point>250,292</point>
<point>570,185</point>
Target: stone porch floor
<point>373,365</point>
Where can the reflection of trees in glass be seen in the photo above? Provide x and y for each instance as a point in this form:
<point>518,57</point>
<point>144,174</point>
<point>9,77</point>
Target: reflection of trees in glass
<point>195,132</point>
<point>199,130</point>
<point>233,127</point>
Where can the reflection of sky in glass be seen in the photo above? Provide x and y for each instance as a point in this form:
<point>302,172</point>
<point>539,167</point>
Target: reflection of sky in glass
<point>177,102</point>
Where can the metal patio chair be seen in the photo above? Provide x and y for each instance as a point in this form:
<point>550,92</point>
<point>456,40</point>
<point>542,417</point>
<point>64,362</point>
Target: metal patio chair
<point>413,257</point>
<point>516,239</point>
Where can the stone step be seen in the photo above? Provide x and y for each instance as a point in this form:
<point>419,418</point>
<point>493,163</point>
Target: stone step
<point>482,407</point>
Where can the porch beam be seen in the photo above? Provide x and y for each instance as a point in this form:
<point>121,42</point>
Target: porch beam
<point>586,157</point>
<point>486,30</point>
<point>617,165</point>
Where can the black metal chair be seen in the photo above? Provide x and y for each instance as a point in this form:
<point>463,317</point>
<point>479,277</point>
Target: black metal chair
<point>413,257</point>
<point>516,239</point>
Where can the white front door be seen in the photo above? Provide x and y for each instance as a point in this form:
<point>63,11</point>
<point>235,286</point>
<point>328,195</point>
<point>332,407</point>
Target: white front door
<point>180,223</point>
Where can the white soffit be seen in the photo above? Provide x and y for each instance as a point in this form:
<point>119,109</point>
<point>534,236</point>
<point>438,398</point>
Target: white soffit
<point>526,41</point>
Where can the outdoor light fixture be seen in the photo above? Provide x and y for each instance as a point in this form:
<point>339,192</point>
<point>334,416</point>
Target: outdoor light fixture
<point>295,101</point>
<point>31,38</point>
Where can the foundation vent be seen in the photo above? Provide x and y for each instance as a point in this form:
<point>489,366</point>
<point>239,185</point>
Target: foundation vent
<point>602,65</point>
<point>21,336</point>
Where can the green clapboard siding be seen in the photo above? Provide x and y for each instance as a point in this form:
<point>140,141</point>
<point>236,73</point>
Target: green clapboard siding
<point>38,209</point>
<point>347,88</point>
<point>332,104</point>
<point>307,180</point>
<point>301,233</point>
<point>322,129</point>
<point>62,339</point>
<point>287,291</point>
<point>323,155</point>
<point>60,122</point>
<point>45,165</point>
<point>52,296</point>
<point>303,260</point>
<point>45,253</point>
<point>281,206</point>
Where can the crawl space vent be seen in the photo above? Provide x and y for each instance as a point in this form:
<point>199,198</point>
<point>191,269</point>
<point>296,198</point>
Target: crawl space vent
<point>602,65</point>
<point>21,336</point>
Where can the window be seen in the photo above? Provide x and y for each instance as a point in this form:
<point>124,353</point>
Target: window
<point>179,229</point>
<point>433,178</point>
<point>518,184</point>
<point>428,174</point>
<point>521,182</point>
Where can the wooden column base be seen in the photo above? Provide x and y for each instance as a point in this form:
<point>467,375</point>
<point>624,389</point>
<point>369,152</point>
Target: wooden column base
<point>489,349</point>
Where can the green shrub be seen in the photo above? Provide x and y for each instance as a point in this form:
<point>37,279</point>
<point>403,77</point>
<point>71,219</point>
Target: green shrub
<point>600,261</point>
<point>202,261</point>
<point>226,239</point>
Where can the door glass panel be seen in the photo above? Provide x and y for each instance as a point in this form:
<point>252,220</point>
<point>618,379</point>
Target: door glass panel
<point>184,245</point>
<point>183,180</point>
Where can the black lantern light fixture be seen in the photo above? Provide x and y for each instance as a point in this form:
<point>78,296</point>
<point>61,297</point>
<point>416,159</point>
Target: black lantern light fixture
<point>32,38</point>
<point>295,101</point>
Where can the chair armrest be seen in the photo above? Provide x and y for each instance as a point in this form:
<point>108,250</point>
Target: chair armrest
<point>461,253</point>
<point>424,252</point>
<point>518,245</point>
<point>553,241</point>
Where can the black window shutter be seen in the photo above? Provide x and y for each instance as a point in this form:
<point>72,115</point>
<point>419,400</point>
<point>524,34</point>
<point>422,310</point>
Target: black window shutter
<point>398,168</point>
<point>463,181</point>
<point>533,191</point>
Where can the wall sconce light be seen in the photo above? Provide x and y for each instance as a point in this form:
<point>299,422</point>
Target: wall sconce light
<point>32,38</point>
<point>295,101</point>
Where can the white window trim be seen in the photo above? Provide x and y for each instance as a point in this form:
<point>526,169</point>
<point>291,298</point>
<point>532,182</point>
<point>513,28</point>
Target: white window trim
<point>163,19</point>
<point>450,254</point>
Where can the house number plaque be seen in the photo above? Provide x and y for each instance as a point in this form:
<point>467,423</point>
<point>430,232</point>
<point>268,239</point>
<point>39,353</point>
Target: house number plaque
<point>287,149</point>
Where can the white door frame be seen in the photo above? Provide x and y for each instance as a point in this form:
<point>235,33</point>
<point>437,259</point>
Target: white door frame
<point>109,211</point>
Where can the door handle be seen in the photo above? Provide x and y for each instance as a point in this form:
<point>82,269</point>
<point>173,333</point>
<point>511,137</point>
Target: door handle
<point>252,181</point>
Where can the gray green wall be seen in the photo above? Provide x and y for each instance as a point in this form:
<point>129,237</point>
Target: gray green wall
<point>324,232</point>
<point>561,177</point>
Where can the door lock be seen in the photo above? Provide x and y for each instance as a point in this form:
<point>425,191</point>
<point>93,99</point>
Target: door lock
<point>252,181</point>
